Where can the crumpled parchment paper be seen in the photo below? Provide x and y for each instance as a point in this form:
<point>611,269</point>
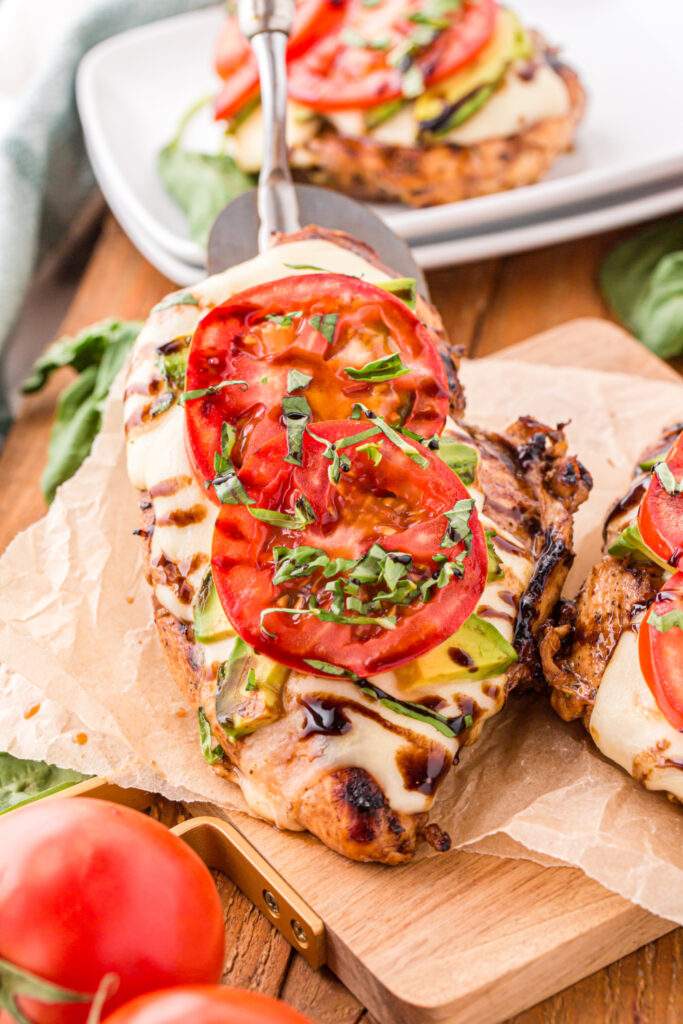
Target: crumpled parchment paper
<point>83,682</point>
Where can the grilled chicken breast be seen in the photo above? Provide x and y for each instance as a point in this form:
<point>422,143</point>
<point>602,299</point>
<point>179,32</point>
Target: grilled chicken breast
<point>359,772</point>
<point>589,654</point>
<point>428,175</point>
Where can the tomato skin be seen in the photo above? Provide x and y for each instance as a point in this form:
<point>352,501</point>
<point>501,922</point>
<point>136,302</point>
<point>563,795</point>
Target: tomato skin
<point>219,351</point>
<point>332,75</point>
<point>235,62</point>
<point>206,1004</point>
<point>397,504</point>
<point>88,887</point>
<point>661,654</point>
<point>660,517</point>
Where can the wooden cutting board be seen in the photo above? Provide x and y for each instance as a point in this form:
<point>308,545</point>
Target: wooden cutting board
<point>465,938</point>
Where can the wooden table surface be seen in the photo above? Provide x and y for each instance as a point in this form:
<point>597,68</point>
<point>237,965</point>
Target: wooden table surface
<point>486,306</point>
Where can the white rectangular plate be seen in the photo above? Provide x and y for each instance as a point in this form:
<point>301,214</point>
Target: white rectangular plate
<point>133,88</point>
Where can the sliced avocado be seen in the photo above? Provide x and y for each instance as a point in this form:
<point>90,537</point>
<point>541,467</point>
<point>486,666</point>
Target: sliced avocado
<point>476,651</point>
<point>508,43</point>
<point>249,691</point>
<point>630,544</point>
<point>210,621</point>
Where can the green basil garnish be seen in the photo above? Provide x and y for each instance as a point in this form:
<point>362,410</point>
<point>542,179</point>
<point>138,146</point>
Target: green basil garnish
<point>326,323</point>
<point>302,516</point>
<point>296,413</point>
<point>459,524</point>
<point>212,389</point>
<point>176,299</point>
<point>211,753</point>
<point>390,433</point>
<point>226,483</point>
<point>297,381</point>
<point>387,368</point>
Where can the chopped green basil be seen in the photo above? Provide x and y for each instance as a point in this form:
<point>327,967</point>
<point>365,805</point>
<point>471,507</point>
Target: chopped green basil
<point>326,666</point>
<point>459,524</point>
<point>387,368</point>
<point>211,754</point>
<point>302,516</point>
<point>296,413</point>
<point>326,323</point>
<point>390,433</point>
<point>283,319</point>
<point>417,711</point>
<point>297,381</point>
<point>226,483</point>
<point>371,449</point>
<point>306,266</point>
<point>213,389</point>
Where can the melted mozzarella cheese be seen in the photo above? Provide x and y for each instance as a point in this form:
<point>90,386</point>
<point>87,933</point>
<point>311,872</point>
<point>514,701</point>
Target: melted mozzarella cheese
<point>629,728</point>
<point>516,105</point>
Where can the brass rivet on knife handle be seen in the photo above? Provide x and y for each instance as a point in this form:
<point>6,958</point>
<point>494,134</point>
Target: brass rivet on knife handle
<point>222,846</point>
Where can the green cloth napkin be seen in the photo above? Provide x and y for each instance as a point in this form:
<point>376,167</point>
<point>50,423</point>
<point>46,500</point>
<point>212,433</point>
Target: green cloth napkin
<point>44,171</point>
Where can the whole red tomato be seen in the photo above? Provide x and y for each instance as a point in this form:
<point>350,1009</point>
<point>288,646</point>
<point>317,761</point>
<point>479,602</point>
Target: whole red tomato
<point>89,888</point>
<point>208,1004</point>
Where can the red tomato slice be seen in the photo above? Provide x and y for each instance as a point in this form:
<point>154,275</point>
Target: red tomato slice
<point>235,62</point>
<point>339,72</point>
<point>208,1004</point>
<point>396,504</point>
<point>660,517</point>
<point>661,653</point>
<point>237,341</point>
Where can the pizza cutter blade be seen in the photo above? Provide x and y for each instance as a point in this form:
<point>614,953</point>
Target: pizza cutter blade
<point>247,226</point>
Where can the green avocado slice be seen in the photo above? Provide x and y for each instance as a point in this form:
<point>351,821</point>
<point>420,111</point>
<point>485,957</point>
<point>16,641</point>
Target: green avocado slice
<point>210,621</point>
<point>477,651</point>
<point>249,691</point>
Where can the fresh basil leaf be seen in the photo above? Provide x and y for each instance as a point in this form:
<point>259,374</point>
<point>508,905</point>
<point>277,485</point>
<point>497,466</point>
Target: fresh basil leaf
<point>669,620</point>
<point>176,299</point>
<point>404,288</point>
<point>283,319</point>
<point>390,433</point>
<point>21,781</point>
<point>97,353</point>
<point>461,458</point>
<point>372,451</point>
<point>227,485</point>
<point>211,754</point>
<point>642,281</point>
<point>387,368</point>
<point>296,414</point>
<point>417,711</point>
<point>459,524</point>
<point>202,184</point>
<point>297,381</point>
<point>294,563</point>
<point>213,389</point>
<point>326,323</point>
<point>326,666</point>
<point>306,266</point>
<point>302,516</point>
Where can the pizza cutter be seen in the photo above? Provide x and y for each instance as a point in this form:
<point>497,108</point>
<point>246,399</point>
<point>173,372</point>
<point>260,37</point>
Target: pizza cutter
<point>248,224</point>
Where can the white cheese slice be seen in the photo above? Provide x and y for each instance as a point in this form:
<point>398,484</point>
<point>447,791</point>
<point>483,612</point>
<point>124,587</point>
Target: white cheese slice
<point>245,144</point>
<point>629,728</point>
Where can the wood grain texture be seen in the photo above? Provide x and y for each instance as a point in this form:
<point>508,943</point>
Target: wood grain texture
<point>486,307</point>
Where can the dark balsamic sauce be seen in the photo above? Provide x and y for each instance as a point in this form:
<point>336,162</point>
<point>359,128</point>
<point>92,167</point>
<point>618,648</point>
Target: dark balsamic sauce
<point>324,716</point>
